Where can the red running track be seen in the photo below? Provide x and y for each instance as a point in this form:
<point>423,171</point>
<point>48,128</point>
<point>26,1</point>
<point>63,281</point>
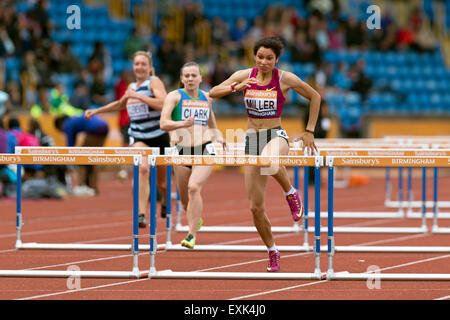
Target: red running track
<point>107,218</point>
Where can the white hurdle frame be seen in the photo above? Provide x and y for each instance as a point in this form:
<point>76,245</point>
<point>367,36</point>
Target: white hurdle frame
<point>75,159</point>
<point>378,162</point>
<point>48,151</point>
<point>317,274</point>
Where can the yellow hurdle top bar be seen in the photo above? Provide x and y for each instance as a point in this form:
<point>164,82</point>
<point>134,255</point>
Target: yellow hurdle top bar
<point>377,152</point>
<point>87,150</point>
<point>384,161</point>
<point>263,161</point>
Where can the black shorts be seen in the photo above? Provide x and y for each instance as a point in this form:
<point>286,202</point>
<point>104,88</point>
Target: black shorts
<point>256,141</point>
<point>162,141</point>
<point>206,149</point>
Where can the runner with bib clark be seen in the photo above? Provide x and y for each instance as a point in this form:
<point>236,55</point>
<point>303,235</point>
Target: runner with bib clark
<point>188,116</point>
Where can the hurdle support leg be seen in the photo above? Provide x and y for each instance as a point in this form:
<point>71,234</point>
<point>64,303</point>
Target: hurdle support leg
<point>410,194</point>
<point>435,201</point>
<point>19,219</point>
<point>306,207</point>
<point>388,187</point>
<point>135,240</point>
<point>330,271</point>
<point>169,206</point>
<point>318,164</point>
<point>400,193</point>
<point>424,199</point>
<point>153,243</point>
<point>178,225</point>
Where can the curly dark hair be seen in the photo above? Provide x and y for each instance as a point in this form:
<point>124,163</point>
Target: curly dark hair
<point>273,43</point>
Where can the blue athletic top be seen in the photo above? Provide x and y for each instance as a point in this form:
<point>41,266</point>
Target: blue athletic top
<point>74,125</point>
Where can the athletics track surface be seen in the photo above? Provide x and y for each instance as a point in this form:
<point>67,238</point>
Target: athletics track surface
<point>107,219</point>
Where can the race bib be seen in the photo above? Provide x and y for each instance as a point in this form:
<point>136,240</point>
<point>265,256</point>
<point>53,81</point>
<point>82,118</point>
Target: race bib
<point>138,111</point>
<point>261,103</point>
<point>198,109</point>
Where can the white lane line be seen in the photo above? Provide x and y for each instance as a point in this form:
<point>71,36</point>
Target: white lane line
<point>81,289</point>
<point>322,281</point>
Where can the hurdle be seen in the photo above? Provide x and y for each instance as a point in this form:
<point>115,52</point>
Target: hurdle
<point>316,274</point>
<point>76,159</point>
<point>380,161</point>
<point>406,150</point>
<point>67,151</point>
<point>226,160</point>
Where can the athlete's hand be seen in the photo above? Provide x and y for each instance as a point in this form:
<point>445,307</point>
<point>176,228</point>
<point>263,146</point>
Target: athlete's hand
<point>189,122</point>
<point>245,84</point>
<point>308,143</point>
<point>89,113</point>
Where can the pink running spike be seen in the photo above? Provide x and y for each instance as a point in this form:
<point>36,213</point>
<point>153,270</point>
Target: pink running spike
<point>274,261</point>
<point>296,205</point>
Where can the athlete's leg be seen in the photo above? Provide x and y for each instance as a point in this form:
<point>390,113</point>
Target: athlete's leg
<point>278,147</point>
<point>255,185</point>
<point>144,182</point>
<point>182,175</point>
<point>196,182</point>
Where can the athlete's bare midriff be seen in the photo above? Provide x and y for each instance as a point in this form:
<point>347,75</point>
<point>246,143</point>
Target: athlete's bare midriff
<point>195,135</point>
<point>261,124</point>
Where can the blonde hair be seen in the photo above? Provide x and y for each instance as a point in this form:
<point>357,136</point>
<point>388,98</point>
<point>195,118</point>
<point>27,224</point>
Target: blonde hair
<point>148,55</point>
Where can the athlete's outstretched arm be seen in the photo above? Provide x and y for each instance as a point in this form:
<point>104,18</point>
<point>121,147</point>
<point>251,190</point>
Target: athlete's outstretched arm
<point>110,107</point>
<point>292,81</point>
<point>166,123</point>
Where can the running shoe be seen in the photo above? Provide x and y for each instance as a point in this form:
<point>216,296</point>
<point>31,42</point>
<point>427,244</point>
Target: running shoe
<point>142,221</point>
<point>274,261</point>
<point>296,205</point>
<point>200,223</point>
<point>188,242</point>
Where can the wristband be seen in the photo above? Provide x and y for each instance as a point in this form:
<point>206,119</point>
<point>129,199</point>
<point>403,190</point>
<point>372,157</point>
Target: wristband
<point>312,132</point>
<point>233,85</point>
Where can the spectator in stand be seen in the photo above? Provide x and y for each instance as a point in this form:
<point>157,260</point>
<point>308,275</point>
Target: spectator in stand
<point>337,37</point>
<point>39,19</point>
<point>355,33</point>
<point>68,63</point>
<point>98,89</point>
<point>5,106</point>
<point>29,78</point>
<point>80,98</point>
<point>20,138</point>
<point>133,43</point>
<point>7,47</point>
<point>340,77</point>
<point>360,82</point>
<point>13,90</point>
<point>100,60</point>
<point>4,177</point>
